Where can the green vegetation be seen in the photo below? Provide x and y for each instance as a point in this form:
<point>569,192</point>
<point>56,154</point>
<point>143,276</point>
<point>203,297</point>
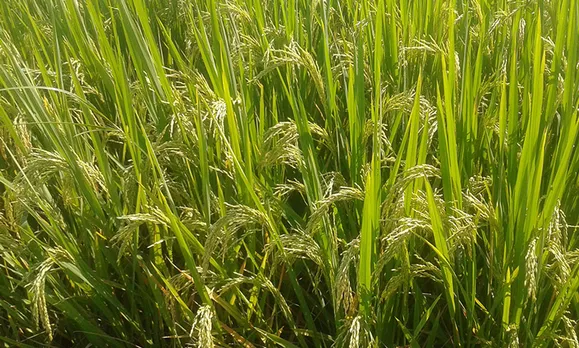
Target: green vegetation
<point>291,173</point>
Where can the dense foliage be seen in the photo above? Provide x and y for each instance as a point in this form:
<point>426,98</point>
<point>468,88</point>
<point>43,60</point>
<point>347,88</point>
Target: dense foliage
<point>349,173</point>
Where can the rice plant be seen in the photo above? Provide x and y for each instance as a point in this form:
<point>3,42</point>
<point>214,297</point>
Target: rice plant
<point>292,173</point>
